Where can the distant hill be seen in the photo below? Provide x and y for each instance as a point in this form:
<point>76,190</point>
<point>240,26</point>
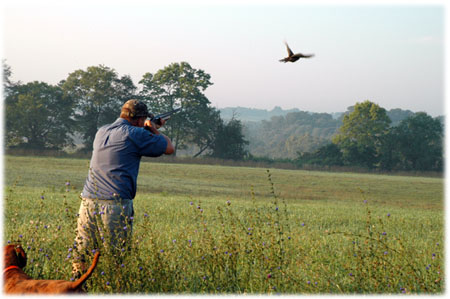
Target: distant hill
<point>252,114</point>
<point>279,133</point>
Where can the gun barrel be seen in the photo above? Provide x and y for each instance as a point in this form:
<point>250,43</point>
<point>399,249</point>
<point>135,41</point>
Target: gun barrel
<point>164,116</point>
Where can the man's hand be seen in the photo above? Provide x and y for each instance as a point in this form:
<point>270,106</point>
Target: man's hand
<point>148,123</point>
<point>152,127</point>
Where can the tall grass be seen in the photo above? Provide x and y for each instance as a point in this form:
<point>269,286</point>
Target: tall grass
<point>256,243</point>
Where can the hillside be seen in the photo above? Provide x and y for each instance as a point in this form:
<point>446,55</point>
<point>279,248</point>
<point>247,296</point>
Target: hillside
<point>279,133</point>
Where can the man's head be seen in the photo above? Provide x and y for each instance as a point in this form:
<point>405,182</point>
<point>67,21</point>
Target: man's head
<point>134,111</point>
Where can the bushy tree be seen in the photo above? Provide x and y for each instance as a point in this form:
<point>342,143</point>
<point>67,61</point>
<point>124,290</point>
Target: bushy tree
<point>99,94</point>
<point>180,85</point>
<point>38,116</point>
<point>229,142</point>
<point>419,142</point>
<point>361,134</point>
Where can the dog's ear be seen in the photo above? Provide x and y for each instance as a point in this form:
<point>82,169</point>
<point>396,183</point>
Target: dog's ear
<point>21,257</point>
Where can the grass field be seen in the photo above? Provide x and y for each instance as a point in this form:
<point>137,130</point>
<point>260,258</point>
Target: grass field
<point>219,230</point>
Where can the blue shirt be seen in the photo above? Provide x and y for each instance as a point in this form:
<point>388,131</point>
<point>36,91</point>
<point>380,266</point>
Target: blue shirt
<point>117,152</point>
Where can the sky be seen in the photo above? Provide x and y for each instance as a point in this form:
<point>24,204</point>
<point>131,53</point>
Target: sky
<point>390,54</point>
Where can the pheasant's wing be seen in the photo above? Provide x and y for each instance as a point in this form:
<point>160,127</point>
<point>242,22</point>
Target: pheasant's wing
<point>300,55</point>
<point>288,50</point>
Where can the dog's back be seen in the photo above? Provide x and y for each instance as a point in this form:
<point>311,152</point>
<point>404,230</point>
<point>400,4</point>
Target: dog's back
<point>17,282</point>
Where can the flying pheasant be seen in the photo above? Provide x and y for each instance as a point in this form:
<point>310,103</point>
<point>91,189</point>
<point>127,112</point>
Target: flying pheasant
<point>294,57</point>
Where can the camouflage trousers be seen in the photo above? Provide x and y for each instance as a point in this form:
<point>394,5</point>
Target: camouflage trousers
<point>106,224</point>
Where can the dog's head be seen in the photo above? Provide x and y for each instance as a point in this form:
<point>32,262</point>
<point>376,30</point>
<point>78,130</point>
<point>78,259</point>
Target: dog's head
<point>15,256</point>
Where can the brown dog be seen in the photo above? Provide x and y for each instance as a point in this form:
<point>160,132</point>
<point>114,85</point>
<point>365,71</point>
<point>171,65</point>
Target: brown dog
<point>17,282</point>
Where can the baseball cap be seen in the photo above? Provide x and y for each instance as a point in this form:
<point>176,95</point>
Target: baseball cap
<point>135,109</point>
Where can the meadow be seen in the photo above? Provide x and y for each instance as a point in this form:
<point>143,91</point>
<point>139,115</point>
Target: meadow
<point>202,229</point>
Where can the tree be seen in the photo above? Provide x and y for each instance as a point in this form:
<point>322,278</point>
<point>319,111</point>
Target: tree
<point>419,140</point>
<point>179,85</point>
<point>7,83</point>
<point>361,134</point>
<point>99,94</point>
<point>38,116</point>
<point>327,155</point>
<point>229,142</point>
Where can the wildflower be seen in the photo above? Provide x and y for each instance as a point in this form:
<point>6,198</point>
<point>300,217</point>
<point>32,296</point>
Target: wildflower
<point>269,275</point>
<point>123,249</point>
<point>385,252</point>
<point>289,238</point>
<point>67,183</point>
<point>384,233</point>
<point>204,277</point>
<point>162,250</point>
<point>276,209</point>
<point>95,213</point>
<point>365,201</point>
<point>122,265</point>
<point>303,223</point>
<point>308,282</point>
<point>69,256</point>
<point>131,218</point>
<point>103,273</point>
<point>20,236</point>
<point>42,196</point>
<point>45,226</point>
<point>350,274</point>
<point>389,215</point>
<point>70,249</point>
<point>94,251</point>
<point>72,279</point>
<point>174,240</point>
<point>124,228</point>
<point>191,203</point>
<point>107,283</point>
<point>140,268</point>
<point>145,215</point>
<point>228,202</point>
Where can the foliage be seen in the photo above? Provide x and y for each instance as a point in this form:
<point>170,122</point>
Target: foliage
<point>361,133</point>
<point>99,94</point>
<point>229,142</point>
<point>419,140</point>
<point>285,136</point>
<point>180,85</point>
<point>327,155</point>
<point>38,117</point>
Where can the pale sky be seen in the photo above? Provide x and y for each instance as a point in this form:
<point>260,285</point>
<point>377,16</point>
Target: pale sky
<point>392,55</point>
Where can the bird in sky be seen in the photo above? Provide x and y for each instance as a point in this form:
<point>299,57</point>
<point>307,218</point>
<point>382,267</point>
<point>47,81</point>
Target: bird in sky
<point>294,57</point>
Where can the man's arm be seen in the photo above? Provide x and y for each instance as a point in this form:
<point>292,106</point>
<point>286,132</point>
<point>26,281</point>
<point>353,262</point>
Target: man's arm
<point>152,128</point>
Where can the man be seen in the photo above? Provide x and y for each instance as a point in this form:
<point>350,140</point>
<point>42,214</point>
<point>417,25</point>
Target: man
<point>106,211</point>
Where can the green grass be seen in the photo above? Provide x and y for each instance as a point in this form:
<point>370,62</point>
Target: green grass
<point>286,232</point>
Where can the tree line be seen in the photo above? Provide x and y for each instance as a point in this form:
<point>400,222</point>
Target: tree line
<point>367,139</point>
<point>41,116</point>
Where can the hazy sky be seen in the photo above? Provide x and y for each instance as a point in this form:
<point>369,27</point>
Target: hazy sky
<point>390,54</point>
